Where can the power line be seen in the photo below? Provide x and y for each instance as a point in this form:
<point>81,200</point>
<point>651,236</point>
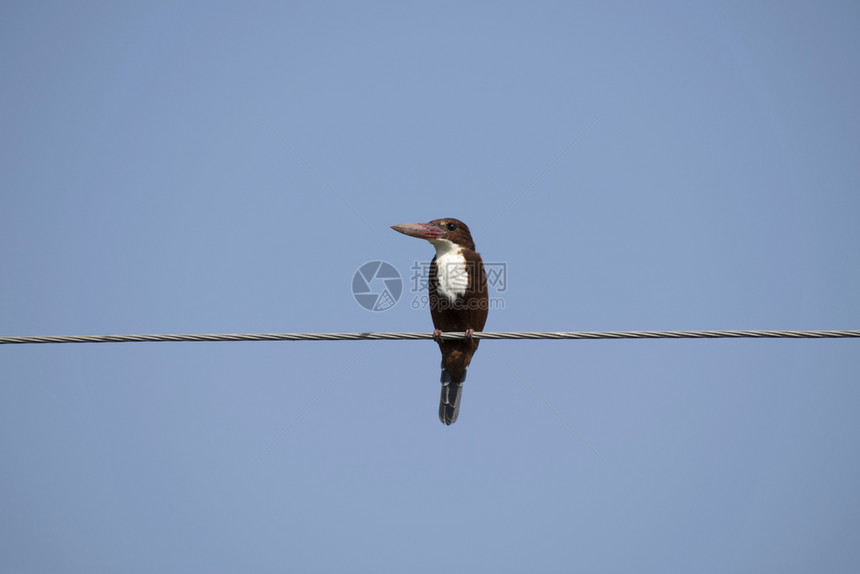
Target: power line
<point>447,336</point>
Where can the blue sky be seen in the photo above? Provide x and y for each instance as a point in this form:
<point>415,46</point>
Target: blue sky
<point>190,167</point>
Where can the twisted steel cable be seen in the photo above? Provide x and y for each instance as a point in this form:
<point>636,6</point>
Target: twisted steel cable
<point>757,334</point>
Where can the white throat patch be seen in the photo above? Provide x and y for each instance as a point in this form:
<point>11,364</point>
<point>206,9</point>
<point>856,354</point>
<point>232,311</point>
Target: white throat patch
<point>450,269</point>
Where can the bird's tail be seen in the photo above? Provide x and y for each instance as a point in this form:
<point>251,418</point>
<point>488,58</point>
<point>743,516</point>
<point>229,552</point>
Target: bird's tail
<point>449,403</point>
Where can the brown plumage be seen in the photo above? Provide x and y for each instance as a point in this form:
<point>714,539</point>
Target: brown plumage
<point>458,301</point>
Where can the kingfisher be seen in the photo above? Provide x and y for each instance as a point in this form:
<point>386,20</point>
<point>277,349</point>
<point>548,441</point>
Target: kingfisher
<point>458,301</point>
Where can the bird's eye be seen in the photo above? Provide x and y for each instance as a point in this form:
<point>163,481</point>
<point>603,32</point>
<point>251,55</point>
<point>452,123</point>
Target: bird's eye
<point>451,227</point>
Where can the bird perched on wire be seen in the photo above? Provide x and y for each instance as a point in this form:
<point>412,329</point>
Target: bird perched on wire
<point>458,301</point>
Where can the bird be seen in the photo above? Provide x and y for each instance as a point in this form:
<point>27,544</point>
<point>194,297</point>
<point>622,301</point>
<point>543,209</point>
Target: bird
<point>458,301</point>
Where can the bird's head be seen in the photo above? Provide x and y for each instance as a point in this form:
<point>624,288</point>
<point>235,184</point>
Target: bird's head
<point>441,233</point>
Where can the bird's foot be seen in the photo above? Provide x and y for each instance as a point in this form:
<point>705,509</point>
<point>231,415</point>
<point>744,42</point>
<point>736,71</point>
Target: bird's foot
<point>436,334</point>
<point>469,334</point>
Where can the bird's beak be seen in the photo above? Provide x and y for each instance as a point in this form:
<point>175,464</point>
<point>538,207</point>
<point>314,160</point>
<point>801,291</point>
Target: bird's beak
<point>420,230</point>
